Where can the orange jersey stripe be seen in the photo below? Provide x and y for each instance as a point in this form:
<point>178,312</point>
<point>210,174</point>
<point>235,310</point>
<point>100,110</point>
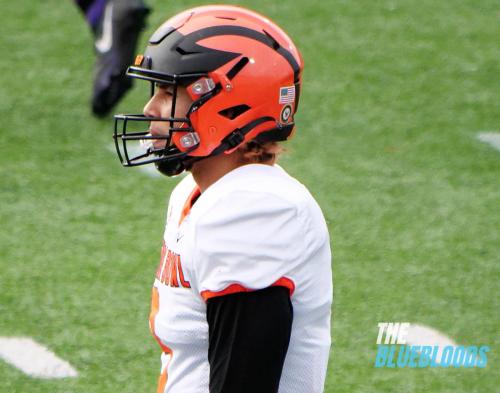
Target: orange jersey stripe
<point>235,288</point>
<point>189,203</point>
<point>155,306</point>
<point>162,381</point>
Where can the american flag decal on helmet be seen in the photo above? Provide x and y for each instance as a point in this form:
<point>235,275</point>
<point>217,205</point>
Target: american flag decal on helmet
<point>287,95</point>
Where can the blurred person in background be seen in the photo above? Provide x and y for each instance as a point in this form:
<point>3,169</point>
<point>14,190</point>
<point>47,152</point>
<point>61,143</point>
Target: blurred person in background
<point>116,26</point>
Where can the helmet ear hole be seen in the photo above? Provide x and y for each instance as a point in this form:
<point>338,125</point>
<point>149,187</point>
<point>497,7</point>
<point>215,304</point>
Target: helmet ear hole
<point>235,111</point>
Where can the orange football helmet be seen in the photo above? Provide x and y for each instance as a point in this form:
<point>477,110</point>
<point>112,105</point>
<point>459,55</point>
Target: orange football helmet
<point>242,72</point>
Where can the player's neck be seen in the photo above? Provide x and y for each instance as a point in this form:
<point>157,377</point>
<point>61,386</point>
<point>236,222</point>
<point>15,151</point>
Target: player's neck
<point>207,171</point>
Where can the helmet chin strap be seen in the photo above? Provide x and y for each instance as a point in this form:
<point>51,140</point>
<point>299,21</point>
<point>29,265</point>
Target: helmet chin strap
<point>234,139</point>
<point>170,167</point>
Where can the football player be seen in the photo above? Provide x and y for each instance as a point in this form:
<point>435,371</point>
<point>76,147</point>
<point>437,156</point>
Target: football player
<point>242,297</point>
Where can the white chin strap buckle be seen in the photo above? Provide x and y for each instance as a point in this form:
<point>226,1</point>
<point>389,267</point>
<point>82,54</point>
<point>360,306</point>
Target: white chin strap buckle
<point>189,140</point>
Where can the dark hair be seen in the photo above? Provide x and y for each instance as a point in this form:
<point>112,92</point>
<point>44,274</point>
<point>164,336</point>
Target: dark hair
<point>261,153</point>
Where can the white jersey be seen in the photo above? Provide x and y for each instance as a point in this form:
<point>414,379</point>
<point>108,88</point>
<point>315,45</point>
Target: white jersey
<point>254,228</point>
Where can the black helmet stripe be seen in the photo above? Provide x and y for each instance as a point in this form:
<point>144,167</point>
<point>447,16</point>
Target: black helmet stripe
<point>191,39</point>
<point>178,55</point>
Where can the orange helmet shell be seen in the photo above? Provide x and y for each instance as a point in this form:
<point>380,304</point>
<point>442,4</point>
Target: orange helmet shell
<point>254,65</point>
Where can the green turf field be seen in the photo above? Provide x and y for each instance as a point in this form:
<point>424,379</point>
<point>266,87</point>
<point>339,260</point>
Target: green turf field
<point>394,95</point>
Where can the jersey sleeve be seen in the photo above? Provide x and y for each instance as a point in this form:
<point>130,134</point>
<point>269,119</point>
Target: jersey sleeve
<point>249,334</point>
<point>246,242</point>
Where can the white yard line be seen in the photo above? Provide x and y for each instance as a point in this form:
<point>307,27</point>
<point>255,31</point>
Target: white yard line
<point>425,335</point>
<point>491,138</point>
<point>34,359</point>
